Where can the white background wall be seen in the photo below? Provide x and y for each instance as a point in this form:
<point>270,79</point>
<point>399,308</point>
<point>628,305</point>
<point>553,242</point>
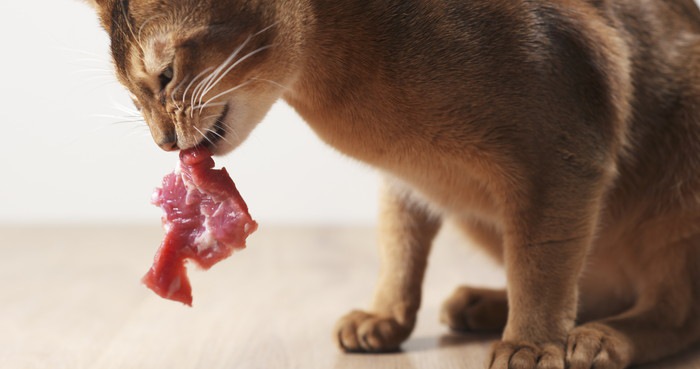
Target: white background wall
<point>60,163</point>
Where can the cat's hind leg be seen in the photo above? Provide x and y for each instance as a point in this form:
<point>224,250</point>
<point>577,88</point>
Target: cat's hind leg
<point>471,309</point>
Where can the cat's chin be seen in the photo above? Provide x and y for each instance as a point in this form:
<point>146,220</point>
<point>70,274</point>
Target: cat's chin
<point>236,121</point>
<point>243,115</point>
<point>230,132</point>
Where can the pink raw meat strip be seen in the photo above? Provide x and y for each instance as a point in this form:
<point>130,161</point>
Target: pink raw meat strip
<point>205,220</point>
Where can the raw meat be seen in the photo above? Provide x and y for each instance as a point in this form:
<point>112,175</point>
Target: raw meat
<point>205,220</point>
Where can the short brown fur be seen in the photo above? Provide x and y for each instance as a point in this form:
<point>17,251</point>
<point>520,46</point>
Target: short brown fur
<point>564,135</point>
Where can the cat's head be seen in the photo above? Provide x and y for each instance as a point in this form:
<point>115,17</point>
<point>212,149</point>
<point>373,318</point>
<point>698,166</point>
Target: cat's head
<point>202,72</point>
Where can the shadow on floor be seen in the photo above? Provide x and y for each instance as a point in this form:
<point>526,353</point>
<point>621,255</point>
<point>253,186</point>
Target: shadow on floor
<point>447,340</point>
<point>462,350</point>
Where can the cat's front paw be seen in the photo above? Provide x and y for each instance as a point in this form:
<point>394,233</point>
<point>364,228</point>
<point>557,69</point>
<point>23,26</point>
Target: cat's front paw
<point>523,355</point>
<point>596,345</point>
<point>360,331</point>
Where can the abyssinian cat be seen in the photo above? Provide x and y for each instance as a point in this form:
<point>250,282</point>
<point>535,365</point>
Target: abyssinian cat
<point>561,135</point>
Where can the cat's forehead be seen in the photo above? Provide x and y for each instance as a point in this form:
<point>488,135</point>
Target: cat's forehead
<point>145,34</point>
<point>135,24</point>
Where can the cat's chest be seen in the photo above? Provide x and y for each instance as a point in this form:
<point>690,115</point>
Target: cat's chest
<point>447,181</point>
<point>359,132</point>
<point>446,189</point>
<point>433,158</point>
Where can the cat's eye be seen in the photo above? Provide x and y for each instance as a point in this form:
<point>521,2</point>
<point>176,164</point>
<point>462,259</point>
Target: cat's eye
<point>165,77</point>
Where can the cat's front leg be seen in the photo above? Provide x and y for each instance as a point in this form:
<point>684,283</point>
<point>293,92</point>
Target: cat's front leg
<point>406,232</point>
<point>550,227</point>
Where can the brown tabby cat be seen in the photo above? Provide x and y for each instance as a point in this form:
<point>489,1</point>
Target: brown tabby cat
<point>562,135</point>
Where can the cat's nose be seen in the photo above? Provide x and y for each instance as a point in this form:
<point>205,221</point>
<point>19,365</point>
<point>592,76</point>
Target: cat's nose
<point>168,141</point>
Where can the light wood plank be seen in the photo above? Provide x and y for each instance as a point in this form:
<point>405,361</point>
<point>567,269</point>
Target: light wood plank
<point>71,298</point>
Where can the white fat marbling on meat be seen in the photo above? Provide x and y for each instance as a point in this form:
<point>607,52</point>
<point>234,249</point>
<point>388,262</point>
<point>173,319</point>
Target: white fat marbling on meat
<point>205,241</point>
<point>174,286</point>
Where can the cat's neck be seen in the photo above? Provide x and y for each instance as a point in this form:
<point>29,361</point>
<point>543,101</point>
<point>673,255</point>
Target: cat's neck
<point>336,54</point>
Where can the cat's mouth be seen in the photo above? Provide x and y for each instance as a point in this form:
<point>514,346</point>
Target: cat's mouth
<point>217,132</point>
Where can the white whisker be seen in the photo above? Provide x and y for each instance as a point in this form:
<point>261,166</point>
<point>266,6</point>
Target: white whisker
<point>202,73</point>
<point>203,135</point>
<point>125,109</point>
<point>106,71</point>
<point>223,94</point>
<point>109,79</point>
<point>92,60</point>
<point>131,30</point>
<point>196,90</point>
<point>211,105</point>
<point>127,121</point>
<point>233,132</point>
<point>239,61</point>
<point>272,82</point>
<point>174,91</point>
<point>266,28</point>
<point>219,135</point>
<point>80,51</point>
<point>107,116</point>
<point>211,85</point>
<point>218,71</point>
<point>209,117</point>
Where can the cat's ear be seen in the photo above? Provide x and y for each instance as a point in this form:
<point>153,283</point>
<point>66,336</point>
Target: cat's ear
<point>99,5</point>
<point>103,9</point>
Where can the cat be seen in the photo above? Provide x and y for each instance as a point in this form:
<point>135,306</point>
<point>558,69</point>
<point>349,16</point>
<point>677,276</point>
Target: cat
<point>563,136</point>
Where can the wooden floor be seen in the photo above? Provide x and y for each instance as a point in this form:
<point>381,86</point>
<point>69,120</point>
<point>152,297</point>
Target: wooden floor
<point>70,298</point>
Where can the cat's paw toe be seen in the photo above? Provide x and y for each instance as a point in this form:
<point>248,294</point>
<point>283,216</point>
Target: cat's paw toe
<point>360,331</point>
<point>596,346</point>
<point>475,309</point>
<point>520,355</point>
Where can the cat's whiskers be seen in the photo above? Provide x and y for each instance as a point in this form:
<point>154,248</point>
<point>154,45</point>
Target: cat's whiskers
<point>210,86</point>
<point>217,134</point>
<point>232,89</point>
<point>133,121</point>
<point>232,129</point>
<point>193,97</point>
<point>266,28</point>
<point>90,60</point>
<point>84,52</point>
<point>103,72</point>
<point>131,30</point>
<point>198,91</point>
<point>96,87</point>
<point>175,90</point>
<point>272,82</point>
<point>210,106</point>
<point>122,122</point>
<point>260,49</point>
<point>202,73</point>
<point>107,79</point>
<point>203,135</point>
<point>126,109</point>
<point>243,58</point>
<point>218,72</point>
<point>209,117</point>
<point>211,81</point>
<point>135,117</point>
